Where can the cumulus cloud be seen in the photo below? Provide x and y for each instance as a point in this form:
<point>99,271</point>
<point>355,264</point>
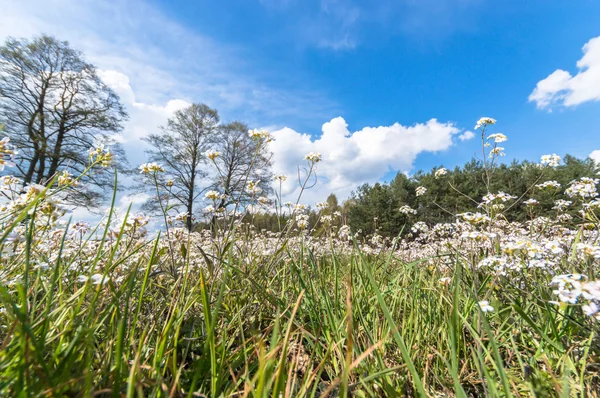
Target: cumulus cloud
<point>134,199</point>
<point>144,118</point>
<point>561,88</point>
<point>467,135</point>
<point>595,156</point>
<point>353,158</point>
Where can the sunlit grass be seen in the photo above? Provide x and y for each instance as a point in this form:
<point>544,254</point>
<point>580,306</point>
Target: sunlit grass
<point>348,323</point>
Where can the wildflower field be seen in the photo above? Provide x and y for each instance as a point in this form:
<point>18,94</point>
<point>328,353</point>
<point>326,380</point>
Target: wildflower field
<point>477,307</point>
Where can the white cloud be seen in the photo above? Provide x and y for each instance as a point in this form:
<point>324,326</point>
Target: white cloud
<point>595,156</point>
<point>350,159</point>
<point>165,60</point>
<point>82,214</point>
<point>467,135</point>
<point>134,199</point>
<point>144,118</point>
<point>561,88</point>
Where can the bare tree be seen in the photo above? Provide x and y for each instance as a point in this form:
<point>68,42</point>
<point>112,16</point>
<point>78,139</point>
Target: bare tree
<point>241,159</point>
<point>55,107</point>
<point>180,147</point>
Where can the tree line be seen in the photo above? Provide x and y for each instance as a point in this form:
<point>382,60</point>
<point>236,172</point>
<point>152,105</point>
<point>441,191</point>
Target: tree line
<point>375,208</point>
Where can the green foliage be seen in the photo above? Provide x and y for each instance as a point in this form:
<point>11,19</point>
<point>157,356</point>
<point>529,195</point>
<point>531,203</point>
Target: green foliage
<point>374,208</point>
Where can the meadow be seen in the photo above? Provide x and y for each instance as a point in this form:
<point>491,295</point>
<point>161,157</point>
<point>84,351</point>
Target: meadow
<point>478,307</point>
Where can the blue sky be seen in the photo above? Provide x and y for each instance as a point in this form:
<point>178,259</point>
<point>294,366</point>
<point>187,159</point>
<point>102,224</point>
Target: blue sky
<point>453,60</point>
<point>386,67</point>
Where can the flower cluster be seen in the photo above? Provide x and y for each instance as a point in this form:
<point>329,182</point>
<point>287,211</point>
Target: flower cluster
<point>531,202</point>
<point>280,177</point>
<point>66,179</point>
<point>561,204</point>
<point>212,155</point>
<point>321,205</point>
<point>405,209</point>
<point>584,188</point>
<point>474,218</point>
<point>497,151</point>
<point>419,227</point>
<point>148,168</point>
<point>548,185</point>
<point>575,289</point>
<point>6,154</point>
<point>589,251</point>
<point>420,191</point>
<point>484,121</point>
<point>550,160</point>
<point>313,157</point>
<point>260,135</point>
<point>495,200</point>
<point>497,138</point>
<point>344,233</point>
<point>101,155</point>
<point>440,172</point>
<point>253,188</point>
<point>214,195</point>
<point>302,221</point>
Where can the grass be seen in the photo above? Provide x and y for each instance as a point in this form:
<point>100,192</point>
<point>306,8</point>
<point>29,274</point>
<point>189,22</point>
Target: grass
<point>342,324</point>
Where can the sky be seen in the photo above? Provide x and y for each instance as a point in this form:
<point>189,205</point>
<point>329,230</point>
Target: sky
<point>377,87</point>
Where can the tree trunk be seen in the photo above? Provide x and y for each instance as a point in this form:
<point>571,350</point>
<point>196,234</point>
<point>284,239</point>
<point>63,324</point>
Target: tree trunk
<point>42,168</point>
<point>32,165</point>
<point>190,202</point>
<point>56,152</point>
<point>41,137</point>
<point>36,151</point>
